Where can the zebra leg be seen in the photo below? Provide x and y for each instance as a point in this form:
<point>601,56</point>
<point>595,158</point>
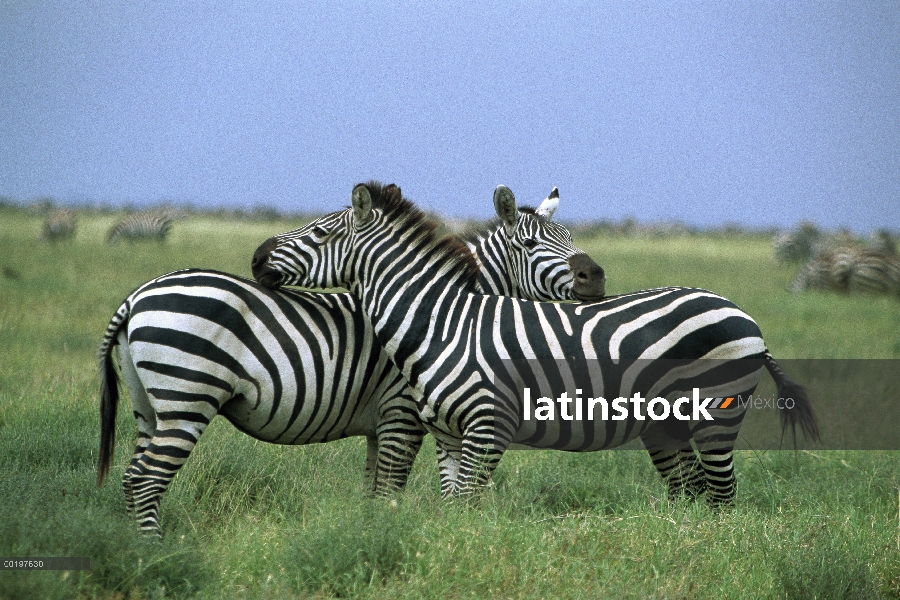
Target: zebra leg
<point>449,454</point>
<point>168,450</point>
<point>721,485</point>
<point>670,450</point>
<point>144,416</point>
<point>143,442</point>
<point>394,463</point>
<point>715,444</point>
<point>482,448</point>
<point>681,470</point>
<point>399,437</point>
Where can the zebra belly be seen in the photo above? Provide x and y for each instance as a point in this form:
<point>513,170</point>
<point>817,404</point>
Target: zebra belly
<point>354,419</point>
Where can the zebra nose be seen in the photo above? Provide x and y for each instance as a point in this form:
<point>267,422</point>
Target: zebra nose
<point>262,253</point>
<point>258,265</point>
<point>590,279</point>
<point>591,273</point>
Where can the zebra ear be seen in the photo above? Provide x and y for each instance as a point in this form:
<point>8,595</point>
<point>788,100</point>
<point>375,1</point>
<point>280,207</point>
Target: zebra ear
<point>505,205</point>
<point>361,200</point>
<point>548,206</point>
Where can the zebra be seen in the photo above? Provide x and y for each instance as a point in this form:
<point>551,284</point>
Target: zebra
<point>884,242</point>
<point>848,269</point>
<point>454,346</point>
<point>798,245</point>
<point>286,367</point>
<point>146,225</point>
<point>807,241</point>
<point>59,225</point>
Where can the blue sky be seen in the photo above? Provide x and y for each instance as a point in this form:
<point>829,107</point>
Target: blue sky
<point>760,114</point>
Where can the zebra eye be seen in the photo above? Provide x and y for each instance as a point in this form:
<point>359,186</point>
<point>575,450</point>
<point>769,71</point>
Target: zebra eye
<point>530,243</point>
<point>320,231</point>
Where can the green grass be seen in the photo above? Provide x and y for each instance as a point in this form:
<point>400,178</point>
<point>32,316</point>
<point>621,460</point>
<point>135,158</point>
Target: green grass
<point>248,519</point>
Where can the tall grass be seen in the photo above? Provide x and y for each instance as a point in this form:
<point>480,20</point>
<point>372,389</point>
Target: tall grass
<point>254,520</point>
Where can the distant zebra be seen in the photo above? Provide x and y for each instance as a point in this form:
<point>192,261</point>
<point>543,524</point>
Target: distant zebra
<point>798,245</point>
<point>284,367</point>
<point>147,225</point>
<point>59,225</point>
<point>463,352</point>
<point>807,241</point>
<point>850,269</point>
<point>883,242</point>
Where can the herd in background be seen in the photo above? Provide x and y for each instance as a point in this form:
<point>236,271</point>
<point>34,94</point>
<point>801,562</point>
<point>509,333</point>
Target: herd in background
<point>840,262</point>
<point>155,224</point>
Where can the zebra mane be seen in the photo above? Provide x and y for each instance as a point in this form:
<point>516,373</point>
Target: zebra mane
<point>448,251</point>
<point>479,231</point>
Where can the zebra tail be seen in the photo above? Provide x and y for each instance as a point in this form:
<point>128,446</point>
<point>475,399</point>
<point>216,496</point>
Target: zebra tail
<point>802,413</point>
<point>109,392</point>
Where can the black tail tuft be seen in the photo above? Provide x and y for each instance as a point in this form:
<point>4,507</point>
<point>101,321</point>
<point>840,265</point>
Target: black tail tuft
<point>801,412</point>
<point>109,400</point>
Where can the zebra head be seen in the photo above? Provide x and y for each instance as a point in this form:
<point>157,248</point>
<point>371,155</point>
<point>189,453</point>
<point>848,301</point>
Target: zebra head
<point>311,256</point>
<point>527,255</point>
<point>346,248</point>
<point>542,262</point>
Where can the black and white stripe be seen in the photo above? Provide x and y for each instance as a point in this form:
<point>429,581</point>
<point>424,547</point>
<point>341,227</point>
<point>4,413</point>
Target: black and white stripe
<point>512,263</point>
<point>455,347</point>
<point>284,367</point>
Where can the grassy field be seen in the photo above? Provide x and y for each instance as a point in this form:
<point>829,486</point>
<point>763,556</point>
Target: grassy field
<point>251,520</point>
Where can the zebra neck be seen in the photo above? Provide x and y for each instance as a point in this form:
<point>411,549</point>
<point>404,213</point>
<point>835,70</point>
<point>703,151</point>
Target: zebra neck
<point>494,276</point>
<point>414,296</point>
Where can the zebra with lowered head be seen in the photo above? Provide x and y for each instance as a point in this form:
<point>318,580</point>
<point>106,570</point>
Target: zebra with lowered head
<point>285,367</point>
<point>463,352</point>
<point>146,225</point>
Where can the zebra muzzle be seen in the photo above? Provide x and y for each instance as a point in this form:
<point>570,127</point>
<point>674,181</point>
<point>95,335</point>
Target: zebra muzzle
<point>260,267</point>
<point>590,279</point>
